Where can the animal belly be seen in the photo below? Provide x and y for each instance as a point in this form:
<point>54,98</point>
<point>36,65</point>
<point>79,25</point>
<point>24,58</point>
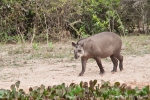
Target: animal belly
<point>106,53</point>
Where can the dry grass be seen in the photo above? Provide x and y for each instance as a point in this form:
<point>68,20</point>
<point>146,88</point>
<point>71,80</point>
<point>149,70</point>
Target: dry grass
<point>17,55</point>
<point>136,45</point>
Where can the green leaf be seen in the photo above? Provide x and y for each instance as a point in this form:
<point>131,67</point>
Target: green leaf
<point>117,84</point>
<point>95,81</point>
<point>17,84</point>
<point>146,89</point>
<point>81,84</point>
<point>12,87</point>
<point>2,92</point>
<point>35,88</point>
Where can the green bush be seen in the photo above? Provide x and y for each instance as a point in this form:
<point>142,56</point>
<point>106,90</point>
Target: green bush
<point>38,19</point>
<point>46,20</point>
<point>82,91</point>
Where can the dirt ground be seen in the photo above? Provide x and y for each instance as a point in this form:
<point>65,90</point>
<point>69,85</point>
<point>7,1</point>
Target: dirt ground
<point>33,68</point>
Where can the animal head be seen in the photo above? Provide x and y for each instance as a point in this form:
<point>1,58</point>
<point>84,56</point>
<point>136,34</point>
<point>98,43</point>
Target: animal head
<point>78,50</point>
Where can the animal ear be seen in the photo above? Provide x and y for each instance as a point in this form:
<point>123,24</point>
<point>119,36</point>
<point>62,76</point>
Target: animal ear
<point>73,44</point>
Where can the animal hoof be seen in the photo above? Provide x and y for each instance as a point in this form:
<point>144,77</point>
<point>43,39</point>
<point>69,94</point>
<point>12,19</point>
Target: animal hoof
<point>113,71</point>
<point>101,73</point>
<point>121,69</point>
<point>80,74</point>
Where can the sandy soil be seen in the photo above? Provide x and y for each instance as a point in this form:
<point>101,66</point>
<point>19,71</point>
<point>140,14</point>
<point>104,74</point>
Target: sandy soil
<point>53,71</point>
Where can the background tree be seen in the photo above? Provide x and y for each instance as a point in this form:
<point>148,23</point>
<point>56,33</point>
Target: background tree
<point>48,20</point>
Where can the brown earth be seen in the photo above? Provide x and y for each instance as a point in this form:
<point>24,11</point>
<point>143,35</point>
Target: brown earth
<point>35,67</point>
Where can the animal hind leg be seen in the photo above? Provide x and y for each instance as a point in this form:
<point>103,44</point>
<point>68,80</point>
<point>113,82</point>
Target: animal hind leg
<point>120,58</point>
<point>115,63</point>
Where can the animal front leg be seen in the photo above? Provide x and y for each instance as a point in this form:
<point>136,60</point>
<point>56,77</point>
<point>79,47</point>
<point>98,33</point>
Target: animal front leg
<point>83,61</point>
<point>98,60</point>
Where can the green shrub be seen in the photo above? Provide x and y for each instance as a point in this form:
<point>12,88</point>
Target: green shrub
<point>82,91</point>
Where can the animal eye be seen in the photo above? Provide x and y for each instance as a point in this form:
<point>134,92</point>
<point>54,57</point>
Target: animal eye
<point>79,50</point>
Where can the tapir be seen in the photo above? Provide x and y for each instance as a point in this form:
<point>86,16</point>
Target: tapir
<point>101,45</point>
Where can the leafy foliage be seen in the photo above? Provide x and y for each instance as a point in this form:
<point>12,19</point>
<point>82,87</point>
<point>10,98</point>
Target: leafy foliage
<point>47,19</point>
<point>82,91</point>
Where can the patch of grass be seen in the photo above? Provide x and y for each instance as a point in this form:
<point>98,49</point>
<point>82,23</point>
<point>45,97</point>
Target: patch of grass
<point>91,60</point>
<point>5,76</point>
<point>132,45</point>
<point>0,45</point>
<point>50,45</point>
<point>74,66</point>
<point>31,69</point>
<point>47,55</point>
<point>71,58</point>
<point>35,55</point>
<point>106,59</point>
<point>137,45</point>
<point>59,55</point>
<point>16,51</point>
<point>16,65</point>
<point>29,57</point>
<point>36,46</point>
